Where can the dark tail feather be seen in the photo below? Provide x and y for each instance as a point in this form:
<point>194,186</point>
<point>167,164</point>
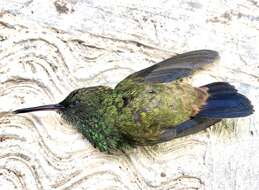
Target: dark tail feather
<point>225,102</point>
<point>220,88</point>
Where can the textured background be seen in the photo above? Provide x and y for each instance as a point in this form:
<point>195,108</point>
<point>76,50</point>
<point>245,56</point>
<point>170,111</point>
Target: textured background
<point>48,48</point>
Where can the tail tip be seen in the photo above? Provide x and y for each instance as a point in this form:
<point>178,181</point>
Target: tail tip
<point>225,102</point>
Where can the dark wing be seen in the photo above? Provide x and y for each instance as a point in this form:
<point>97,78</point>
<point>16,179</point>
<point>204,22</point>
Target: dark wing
<point>179,66</point>
<point>188,127</point>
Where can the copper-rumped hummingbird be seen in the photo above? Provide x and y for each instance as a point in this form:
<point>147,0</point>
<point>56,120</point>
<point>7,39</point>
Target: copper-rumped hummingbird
<point>151,106</point>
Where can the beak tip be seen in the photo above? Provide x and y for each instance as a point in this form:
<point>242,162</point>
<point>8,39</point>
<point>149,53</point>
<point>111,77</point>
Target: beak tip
<point>15,112</point>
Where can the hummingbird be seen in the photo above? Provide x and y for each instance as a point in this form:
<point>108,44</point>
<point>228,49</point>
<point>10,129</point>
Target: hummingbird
<point>151,106</point>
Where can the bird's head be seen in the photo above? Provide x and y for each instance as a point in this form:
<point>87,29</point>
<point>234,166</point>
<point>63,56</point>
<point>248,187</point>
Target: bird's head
<point>77,105</point>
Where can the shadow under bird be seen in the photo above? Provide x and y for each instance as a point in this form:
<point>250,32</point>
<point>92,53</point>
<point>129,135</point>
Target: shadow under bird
<point>151,106</point>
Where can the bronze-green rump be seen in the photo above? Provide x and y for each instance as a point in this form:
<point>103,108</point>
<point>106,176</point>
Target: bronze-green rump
<point>149,107</point>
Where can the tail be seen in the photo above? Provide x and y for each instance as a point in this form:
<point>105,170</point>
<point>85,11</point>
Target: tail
<point>225,102</point>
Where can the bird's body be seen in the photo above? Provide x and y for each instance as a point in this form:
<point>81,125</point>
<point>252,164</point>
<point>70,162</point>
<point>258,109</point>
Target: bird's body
<point>138,112</point>
<point>151,106</point>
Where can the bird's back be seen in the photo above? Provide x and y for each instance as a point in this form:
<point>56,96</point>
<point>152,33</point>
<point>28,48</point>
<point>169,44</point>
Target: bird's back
<point>149,108</point>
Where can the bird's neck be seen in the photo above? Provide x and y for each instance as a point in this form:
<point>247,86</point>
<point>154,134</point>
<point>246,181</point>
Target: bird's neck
<point>98,123</point>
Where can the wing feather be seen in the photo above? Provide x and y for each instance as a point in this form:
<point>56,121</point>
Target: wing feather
<point>177,67</point>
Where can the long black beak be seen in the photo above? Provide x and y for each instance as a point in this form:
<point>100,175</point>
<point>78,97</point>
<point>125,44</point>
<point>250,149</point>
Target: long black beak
<point>50,107</point>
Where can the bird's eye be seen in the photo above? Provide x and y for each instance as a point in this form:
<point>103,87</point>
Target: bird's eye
<point>75,103</point>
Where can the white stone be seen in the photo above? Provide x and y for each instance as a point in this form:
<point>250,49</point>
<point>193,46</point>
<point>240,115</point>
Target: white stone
<point>48,48</point>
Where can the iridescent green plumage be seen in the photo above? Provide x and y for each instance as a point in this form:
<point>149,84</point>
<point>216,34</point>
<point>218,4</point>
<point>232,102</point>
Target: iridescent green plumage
<point>151,106</point>
<point>139,112</point>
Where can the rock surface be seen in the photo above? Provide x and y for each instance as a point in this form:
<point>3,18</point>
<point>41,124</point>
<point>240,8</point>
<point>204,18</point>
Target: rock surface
<point>48,48</point>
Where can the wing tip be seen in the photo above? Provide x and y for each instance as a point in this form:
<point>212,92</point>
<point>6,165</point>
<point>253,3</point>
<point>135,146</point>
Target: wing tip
<point>210,54</point>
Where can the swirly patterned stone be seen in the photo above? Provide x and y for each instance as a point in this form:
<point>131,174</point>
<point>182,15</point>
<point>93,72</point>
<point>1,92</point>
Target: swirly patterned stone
<point>49,48</point>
